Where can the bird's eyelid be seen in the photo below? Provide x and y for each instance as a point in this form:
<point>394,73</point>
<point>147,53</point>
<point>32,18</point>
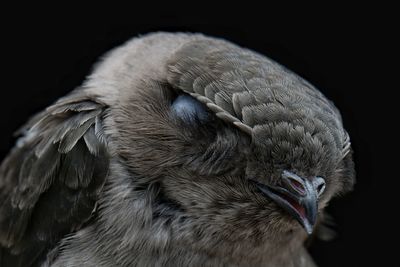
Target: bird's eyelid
<point>189,109</point>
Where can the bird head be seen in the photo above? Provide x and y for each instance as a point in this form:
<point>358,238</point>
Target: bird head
<point>233,144</point>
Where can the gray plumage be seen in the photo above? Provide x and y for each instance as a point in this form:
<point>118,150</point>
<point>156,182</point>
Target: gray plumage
<point>166,156</point>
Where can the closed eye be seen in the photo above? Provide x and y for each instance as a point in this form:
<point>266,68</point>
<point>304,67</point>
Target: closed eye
<point>189,109</point>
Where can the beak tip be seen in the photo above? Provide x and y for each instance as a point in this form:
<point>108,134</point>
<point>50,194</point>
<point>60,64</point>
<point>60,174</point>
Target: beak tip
<point>309,228</point>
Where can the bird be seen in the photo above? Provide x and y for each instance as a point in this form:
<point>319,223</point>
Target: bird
<point>179,149</point>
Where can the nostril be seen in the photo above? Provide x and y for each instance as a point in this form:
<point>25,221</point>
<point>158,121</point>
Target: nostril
<point>320,188</point>
<point>320,184</point>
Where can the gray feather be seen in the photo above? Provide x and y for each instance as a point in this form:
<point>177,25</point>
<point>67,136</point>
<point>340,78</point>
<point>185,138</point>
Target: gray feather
<point>52,149</point>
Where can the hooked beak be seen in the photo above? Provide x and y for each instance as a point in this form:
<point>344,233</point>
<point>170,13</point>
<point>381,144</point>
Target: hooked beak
<point>297,196</point>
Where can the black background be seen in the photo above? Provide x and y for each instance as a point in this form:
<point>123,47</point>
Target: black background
<point>346,53</point>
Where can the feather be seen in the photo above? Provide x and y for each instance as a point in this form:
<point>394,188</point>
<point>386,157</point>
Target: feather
<point>249,90</point>
<point>77,107</point>
<point>92,141</point>
<point>72,137</point>
<point>57,167</point>
<point>73,122</point>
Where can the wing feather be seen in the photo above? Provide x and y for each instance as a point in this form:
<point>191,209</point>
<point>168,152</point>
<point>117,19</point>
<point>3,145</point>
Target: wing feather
<point>50,180</point>
<point>253,92</point>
